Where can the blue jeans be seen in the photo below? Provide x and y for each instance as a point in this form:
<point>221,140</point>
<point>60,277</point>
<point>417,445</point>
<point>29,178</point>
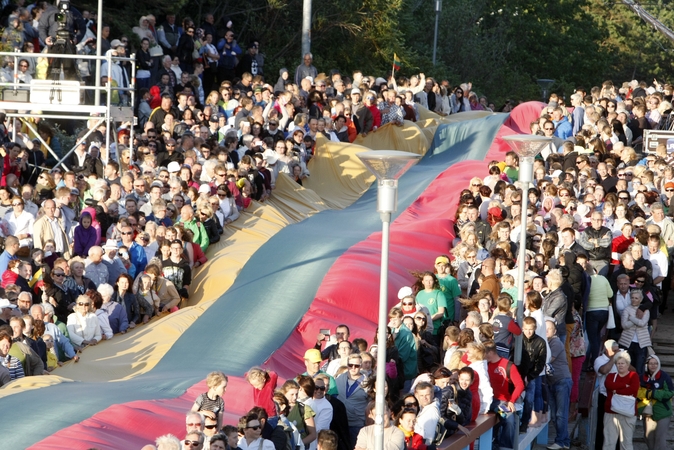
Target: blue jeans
<point>560,395</point>
<point>638,356</point>
<point>506,431</point>
<point>594,322</point>
<point>533,386</point>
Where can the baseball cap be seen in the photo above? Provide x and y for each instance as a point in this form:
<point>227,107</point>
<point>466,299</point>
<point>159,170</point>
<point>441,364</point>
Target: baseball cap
<point>313,355</point>
<point>609,344</point>
<point>204,189</point>
<point>355,91</point>
<point>74,191</point>
<point>116,43</point>
<point>404,292</point>
<point>4,303</point>
<point>557,173</point>
<point>669,185</point>
<point>173,167</point>
<point>442,259</point>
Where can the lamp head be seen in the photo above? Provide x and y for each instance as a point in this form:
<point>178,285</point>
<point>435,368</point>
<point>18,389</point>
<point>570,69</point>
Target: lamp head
<point>388,166</point>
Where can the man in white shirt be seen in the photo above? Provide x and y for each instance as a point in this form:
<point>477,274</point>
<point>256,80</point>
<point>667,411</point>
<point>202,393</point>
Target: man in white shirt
<point>252,431</point>
<point>657,259</point>
<point>604,365</point>
<point>428,417</point>
<point>622,297</point>
<point>321,406</point>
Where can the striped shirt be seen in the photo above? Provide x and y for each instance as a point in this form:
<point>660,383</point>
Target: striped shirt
<point>14,366</point>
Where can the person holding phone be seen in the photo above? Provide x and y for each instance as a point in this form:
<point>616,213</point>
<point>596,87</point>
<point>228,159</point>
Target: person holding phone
<point>331,350</point>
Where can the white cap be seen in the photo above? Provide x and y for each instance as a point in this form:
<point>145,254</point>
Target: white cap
<point>4,303</point>
<point>270,156</point>
<point>405,291</point>
<point>204,189</point>
<point>110,244</point>
<point>173,167</point>
<point>557,173</point>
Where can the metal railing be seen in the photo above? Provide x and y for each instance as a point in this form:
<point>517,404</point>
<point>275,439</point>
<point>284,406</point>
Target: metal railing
<point>108,88</point>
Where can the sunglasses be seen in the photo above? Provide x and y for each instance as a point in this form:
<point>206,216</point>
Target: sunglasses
<point>192,443</point>
<point>354,366</point>
<point>476,185</point>
<point>127,233</point>
<point>256,427</point>
<point>320,388</point>
<point>408,304</point>
<point>17,204</point>
<point>549,129</point>
<point>58,274</point>
<point>82,304</point>
<point>210,427</point>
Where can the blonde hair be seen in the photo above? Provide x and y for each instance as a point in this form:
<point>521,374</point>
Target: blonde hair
<point>215,379</point>
<point>477,350</point>
<point>256,373</point>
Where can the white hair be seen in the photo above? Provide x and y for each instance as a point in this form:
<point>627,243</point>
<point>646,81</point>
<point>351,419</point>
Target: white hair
<point>168,441</point>
<point>106,290</point>
<point>47,308</point>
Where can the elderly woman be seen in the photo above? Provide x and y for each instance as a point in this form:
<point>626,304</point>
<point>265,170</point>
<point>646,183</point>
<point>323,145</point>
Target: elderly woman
<point>117,318</point>
<point>616,425</point>
<point>635,336</point>
<point>83,326</point>
<point>655,403</point>
<point>77,283</point>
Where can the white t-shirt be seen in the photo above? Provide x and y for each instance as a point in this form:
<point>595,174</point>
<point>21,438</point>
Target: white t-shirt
<point>600,361</point>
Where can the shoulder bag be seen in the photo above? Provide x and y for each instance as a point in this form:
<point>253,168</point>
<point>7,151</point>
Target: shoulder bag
<point>622,404</point>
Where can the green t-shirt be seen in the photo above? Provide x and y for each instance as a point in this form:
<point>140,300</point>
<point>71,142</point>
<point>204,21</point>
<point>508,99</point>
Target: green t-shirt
<point>433,301</point>
<point>450,287</point>
<point>295,416</point>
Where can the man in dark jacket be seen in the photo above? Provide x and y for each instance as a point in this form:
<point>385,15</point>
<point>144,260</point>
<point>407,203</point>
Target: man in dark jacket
<point>362,116</point>
<point>482,228</point>
<point>536,349</point>
<point>597,241</point>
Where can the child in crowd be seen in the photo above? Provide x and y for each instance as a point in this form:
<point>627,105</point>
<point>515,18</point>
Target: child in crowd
<point>504,326</point>
<point>52,359</point>
<point>211,403</point>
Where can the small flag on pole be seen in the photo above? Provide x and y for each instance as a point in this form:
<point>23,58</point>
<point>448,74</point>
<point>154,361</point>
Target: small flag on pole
<point>396,62</point>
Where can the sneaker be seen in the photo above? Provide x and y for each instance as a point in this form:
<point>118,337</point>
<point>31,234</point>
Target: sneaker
<point>556,446</point>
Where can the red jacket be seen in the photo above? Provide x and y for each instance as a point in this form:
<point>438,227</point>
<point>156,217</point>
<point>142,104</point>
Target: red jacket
<point>499,381</point>
<point>627,385</point>
<point>265,397</point>
<point>415,442</point>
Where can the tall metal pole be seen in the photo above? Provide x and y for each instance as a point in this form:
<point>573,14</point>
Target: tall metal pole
<point>525,175</point>
<point>99,32</point>
<point>306,27</point>
<point>438,9</point>
<point>380,398</point>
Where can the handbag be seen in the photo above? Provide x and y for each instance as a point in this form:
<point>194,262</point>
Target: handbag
<point>610,325</point>
<point>622,404</point>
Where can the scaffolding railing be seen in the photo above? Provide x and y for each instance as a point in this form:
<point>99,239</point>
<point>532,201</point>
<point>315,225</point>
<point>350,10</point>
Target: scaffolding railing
<point>108,113</point>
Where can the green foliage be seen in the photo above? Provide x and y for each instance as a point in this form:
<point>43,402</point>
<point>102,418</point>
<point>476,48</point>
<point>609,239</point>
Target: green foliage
<point>501,46</point>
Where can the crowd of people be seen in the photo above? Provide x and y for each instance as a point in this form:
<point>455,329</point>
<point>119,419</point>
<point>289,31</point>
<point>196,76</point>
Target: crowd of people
<point>109,238</point>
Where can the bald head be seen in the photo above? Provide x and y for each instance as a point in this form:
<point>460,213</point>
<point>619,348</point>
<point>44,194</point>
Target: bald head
<point>488,266</point>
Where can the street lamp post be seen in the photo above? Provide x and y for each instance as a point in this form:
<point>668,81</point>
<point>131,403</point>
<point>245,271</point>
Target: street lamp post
<point>526,147</point>
<point>388,166</point>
